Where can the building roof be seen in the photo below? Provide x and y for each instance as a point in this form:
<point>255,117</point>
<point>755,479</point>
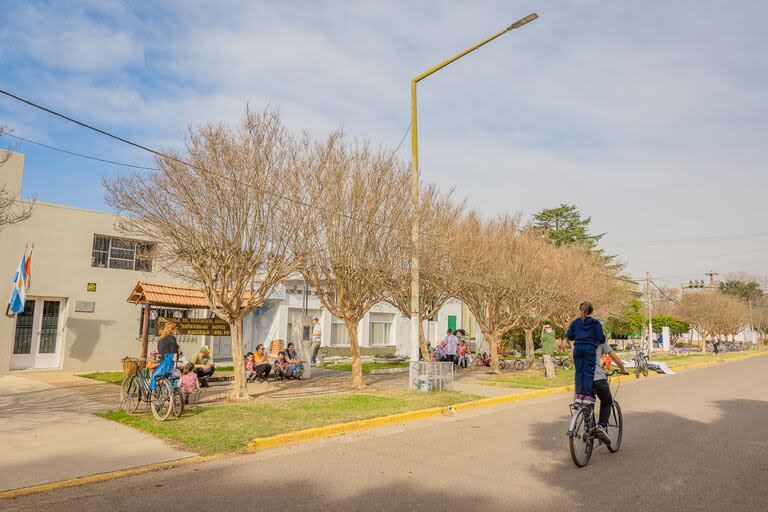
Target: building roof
<point>167,295</point>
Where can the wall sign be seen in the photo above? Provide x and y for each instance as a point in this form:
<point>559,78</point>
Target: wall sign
<point>91,287</point>
<point>85,306</point>
<point>195,326</point>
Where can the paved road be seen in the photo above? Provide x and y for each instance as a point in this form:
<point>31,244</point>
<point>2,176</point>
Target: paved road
<point>47,432</point>
<point>695,441</point>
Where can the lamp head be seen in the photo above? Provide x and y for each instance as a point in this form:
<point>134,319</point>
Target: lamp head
<point>519,23</point>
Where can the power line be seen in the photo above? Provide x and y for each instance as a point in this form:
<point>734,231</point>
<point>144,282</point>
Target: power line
<point>177,160</point>
<point>80,154</point>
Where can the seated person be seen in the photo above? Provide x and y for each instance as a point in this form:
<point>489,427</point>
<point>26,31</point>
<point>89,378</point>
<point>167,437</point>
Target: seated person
<point>294,364</point>
<point>204,366</point>
<point>250,373</point>
<point>486,359</point>
<point>261,366</point>
<point>602,389</point>
<point>280,365</point>
<point>188,381</point>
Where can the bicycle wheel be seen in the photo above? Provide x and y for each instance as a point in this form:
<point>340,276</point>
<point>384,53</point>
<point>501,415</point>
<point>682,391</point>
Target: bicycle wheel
<point>672,352</point>
<point>162,400</point>
<point>637,369</point>
<point>519,364</point>
<point>130,394</point>
<point>684,352</point>
<point>580,441</point>
<point>645,369</point>
<point>615,427</point>
<point>567,365</point>
<point>178,403</point>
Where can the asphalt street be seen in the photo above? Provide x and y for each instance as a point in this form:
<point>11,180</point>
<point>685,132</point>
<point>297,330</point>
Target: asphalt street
<point>694,441</point>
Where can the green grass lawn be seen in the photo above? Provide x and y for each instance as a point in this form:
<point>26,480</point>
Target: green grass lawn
<point>227,428</point>
<point>117,377</point>
<point>367,367</point>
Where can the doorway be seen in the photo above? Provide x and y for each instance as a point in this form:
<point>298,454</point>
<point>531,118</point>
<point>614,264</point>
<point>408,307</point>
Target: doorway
<point>37,335</point>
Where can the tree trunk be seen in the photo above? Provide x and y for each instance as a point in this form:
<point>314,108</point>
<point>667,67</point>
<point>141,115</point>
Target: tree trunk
<point>240,389</point>
<point>357,366</point>
<point>703,343</point>
<point>529,355</point>
<point>423,343</point>
<point>494,354</point>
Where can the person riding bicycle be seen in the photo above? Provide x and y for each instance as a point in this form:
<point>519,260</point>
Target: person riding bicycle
<point>602,389</point>
<point>168,348</point>
<point>586,333</point>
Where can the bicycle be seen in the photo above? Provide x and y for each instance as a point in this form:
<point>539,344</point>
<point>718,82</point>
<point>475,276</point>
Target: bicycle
<point>641,362</point>
<point>167,398</point>
<point>582,430</point>
<point>563,362</point>
<point>511,364</point>
<point>674,350</point>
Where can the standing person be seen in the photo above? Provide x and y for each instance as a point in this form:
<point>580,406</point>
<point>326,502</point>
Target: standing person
<point>716,342</point>
<point>548,349</point>
<point>462,354</point>
<point>586,333</point>
<point>316,336</point>
<point>450,343</point>
<point>204,366</point>
<point>168,352</point>
<point>660,341</point>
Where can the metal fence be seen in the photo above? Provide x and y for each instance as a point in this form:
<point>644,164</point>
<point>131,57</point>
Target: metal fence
<point>426,376</point>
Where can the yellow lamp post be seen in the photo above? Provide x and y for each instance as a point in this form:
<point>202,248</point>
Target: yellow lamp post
<point>415,313</point>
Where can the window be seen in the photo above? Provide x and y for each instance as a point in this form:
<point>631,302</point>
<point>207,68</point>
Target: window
<point>339,335</point>
<point>109,252</point>
<point>381,329</point>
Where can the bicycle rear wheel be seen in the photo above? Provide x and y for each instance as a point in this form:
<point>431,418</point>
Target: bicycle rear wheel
<point>519,364</point>
<point>130,394</point>
<point>567,365</point>
<point>178,403</point>
<point>615,427</point>
<point>162,401</point>
<point>580,441</point>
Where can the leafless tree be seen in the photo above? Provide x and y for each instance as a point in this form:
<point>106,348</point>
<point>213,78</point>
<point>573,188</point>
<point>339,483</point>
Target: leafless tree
<point>713,312</point>
<point>438,270</point>
<point>221,211</point>
<point>358,205</point>
<point>12,209</point>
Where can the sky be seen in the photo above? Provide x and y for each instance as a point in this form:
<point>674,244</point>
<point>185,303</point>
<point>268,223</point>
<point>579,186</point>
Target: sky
<point>650,116</point>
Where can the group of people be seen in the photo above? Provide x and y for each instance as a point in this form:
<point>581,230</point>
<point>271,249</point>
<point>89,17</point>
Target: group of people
<point>286,365</point>
<point>453,349</point>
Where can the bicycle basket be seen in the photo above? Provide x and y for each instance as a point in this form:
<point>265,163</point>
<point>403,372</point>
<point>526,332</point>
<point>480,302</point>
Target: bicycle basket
<point>131,364</point>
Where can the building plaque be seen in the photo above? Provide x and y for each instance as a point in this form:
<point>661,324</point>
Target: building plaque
<point>195,326</point>
<point>85,306</point>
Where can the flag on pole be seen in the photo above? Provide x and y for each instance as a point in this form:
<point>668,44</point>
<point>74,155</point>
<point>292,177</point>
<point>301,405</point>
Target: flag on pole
<point>20,285</point>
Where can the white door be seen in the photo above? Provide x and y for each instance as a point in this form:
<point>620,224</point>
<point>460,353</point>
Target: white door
<point>37,336</point>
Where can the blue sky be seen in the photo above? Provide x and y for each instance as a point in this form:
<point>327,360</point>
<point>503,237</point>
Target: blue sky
<point>650,116</point>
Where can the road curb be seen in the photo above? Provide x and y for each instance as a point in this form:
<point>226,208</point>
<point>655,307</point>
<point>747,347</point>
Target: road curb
<point>103,477</point>
<point>264,443</point>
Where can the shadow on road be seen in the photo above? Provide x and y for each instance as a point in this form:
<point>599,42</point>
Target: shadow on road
<point>677,474</point>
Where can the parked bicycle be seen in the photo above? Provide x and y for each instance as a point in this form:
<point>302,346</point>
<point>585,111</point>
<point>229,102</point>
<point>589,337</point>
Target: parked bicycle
<point>563,362</point>
<point>678,350</point>
<point>512,364</point>
<point>582,430</point>
<point>166,399</point>
<point>640,357</point>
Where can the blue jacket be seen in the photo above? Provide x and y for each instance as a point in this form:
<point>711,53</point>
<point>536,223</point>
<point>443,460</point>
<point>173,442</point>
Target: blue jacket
<point>588,331</point>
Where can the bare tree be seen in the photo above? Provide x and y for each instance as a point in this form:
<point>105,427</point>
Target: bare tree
<point>12,209</point>
<point>358,206</point>
<point>438,271</point>
<point>713,312</point>
<point>220,212</point>
<point>499,260</point>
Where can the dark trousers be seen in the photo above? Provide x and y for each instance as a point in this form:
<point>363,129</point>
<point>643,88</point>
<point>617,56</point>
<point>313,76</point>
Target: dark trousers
<point>262,370</point>
<point>584,358</point>
<point>204,375</point>
<point>603,392</point>
<point>449,358</point>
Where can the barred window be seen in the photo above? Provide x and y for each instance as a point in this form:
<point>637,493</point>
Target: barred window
<point>122,253</point>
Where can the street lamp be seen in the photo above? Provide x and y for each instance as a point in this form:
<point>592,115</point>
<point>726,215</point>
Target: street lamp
<point>415,309</point>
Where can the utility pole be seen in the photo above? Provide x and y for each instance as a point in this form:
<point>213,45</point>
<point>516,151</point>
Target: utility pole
<point>650,315</point>
<point>711,275</point>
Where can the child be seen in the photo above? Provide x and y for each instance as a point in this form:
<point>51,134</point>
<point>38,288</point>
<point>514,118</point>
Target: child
<point>586,333</point>
<point>280,364</point>
<point>462,352</point>
<point>188,381</point>
<point>250,372</point>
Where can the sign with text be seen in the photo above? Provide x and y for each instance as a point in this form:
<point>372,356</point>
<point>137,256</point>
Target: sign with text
<point>195,326</point>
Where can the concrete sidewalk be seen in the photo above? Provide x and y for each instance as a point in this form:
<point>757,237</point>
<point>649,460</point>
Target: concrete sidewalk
<point>48,432</point>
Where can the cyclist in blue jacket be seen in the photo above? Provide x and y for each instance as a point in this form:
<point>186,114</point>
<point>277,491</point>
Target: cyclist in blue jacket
<point>586,333</point>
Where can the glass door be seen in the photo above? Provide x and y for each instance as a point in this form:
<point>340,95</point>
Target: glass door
<point>49,335</point>
<point>37,336</point>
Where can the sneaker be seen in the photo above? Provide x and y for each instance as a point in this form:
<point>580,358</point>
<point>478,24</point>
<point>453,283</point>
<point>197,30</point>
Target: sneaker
<point>602,434</point>
<point>589,400</point>
<point>579,399</point>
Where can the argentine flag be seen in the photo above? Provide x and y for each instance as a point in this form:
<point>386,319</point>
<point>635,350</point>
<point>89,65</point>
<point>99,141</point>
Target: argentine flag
<point>20,285</point>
